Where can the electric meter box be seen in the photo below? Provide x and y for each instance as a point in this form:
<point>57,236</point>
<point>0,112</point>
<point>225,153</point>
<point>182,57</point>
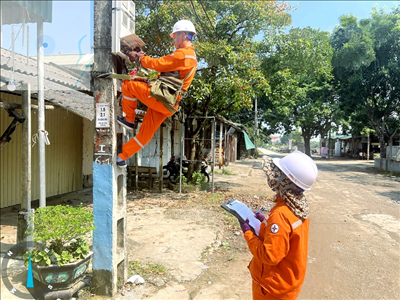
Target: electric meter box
<point>124,38</point>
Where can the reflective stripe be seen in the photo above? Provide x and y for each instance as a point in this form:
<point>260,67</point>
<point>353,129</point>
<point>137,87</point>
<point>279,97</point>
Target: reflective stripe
<point>297,224</point>
<point>128,98</point>
<point>137,141</point>
<point>190,56</point>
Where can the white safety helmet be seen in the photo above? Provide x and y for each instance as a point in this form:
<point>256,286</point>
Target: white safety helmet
<point>184,26</point>
<point>299,168</point>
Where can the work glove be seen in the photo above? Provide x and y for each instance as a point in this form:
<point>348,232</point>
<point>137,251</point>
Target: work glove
<point>260,217</point>
<point>245,225</point>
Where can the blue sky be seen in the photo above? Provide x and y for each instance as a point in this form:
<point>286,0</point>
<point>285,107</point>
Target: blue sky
<point>71,28</point>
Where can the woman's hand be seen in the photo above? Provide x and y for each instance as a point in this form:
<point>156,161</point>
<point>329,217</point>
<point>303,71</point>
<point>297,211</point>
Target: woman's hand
<point>245,226</point>
<point>260,217</point>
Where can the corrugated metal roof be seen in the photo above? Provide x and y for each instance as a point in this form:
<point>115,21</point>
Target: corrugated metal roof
<point>52,72</point>
<point>58,84</point>
<point>77,61</point>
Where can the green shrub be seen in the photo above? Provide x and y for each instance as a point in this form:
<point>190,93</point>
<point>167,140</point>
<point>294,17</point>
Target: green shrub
<point>61,230</point>
<point>197,178</point>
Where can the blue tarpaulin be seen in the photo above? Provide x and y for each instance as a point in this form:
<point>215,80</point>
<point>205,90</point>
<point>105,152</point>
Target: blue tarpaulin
<point>249,143</point>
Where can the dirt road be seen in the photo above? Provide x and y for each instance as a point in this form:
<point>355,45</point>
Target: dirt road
<point>186,247</point>
<point>354,248</point>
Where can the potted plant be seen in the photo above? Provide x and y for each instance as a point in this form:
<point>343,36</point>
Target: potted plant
<point>61,254</point>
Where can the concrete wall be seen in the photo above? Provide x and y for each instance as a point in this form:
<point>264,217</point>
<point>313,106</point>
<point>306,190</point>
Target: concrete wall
<point>395,152</point>
<point>387,165</point>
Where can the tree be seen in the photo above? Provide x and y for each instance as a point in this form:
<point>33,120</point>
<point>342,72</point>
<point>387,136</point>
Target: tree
<point>297,66</point>
<point>228,75</point>
<point>367,72</point>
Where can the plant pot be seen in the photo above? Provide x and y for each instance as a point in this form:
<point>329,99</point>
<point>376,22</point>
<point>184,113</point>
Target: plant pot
<point>61,277</point>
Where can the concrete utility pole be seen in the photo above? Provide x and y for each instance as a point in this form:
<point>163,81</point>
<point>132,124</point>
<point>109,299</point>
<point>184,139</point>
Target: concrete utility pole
<point>109,181</point>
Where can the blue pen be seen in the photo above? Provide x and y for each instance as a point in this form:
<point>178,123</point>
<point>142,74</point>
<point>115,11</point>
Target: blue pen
<point>257,212</point>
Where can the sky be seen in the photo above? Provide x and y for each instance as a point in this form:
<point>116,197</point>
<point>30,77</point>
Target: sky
<point>71,29</point>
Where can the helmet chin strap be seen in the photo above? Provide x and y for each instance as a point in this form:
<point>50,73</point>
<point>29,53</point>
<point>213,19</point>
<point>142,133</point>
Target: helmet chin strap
<point>179,44</point>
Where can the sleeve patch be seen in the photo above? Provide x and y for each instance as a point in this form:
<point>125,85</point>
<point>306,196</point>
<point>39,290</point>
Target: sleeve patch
<point>274,228</point>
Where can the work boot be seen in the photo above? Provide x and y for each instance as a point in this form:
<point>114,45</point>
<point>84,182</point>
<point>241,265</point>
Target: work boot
<point>128,125</point>
<point>121,163</point>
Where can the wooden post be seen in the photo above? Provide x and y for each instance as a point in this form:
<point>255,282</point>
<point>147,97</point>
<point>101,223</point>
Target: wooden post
<point>220,145</point>
<point>109,181</point>
<point>226,162</point>
<point>160,170</point>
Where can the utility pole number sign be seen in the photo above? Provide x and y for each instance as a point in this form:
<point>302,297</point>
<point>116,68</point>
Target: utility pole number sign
<point>102,115</point>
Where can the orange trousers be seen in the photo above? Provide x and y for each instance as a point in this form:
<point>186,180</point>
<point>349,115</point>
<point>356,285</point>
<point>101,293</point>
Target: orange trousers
<point>155,115</point>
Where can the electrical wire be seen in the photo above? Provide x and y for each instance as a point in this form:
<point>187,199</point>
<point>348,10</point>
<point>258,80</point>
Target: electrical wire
<point>212,26</point>
<point>198,19</point>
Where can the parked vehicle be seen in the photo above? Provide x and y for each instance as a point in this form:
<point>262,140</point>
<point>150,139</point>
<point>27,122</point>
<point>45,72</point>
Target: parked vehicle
<point>171,170</point>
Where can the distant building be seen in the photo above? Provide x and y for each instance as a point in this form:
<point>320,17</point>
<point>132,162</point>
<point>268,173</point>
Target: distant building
<point>275,140</point>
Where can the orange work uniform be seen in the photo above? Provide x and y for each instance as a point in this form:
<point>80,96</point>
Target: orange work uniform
<point>182,60</point>
<point>279,259</point>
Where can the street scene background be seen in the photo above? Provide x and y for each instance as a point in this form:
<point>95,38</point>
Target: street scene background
<point>185,246</point>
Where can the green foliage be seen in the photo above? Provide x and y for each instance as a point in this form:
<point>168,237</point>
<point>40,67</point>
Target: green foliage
<point>226,172</point>
<point>197,178</point>
<point>300,79</point>
<point>228,77</point>
<point>367,72</point>
<point>184,179</point>
<point>39,257</point>
<point>61,230</point>
<point>145,269</point>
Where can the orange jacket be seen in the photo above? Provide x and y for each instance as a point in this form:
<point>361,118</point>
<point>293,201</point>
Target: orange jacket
<point>279,253</point>
<point>183,60</point>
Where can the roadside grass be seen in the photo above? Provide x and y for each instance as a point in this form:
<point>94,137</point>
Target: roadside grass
<point>230,219</point>
<point>215,199</point>
<point>145,269</point>
<point>227,172</point>
<point>385,173</point>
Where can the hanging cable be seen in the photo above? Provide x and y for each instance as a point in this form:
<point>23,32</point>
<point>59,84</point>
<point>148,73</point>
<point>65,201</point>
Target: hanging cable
<point>197,17</point>
<point>211,24</point>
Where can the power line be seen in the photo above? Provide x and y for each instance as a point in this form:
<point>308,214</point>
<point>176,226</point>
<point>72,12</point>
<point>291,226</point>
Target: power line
<point>212,26</point>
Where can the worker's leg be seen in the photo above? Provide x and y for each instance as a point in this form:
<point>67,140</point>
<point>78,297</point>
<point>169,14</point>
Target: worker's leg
<point>140,90</point>
<point>129,106</point>
<point>151,121</point>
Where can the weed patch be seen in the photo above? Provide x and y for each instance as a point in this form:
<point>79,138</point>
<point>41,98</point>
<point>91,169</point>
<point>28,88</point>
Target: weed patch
<point>145,269</point>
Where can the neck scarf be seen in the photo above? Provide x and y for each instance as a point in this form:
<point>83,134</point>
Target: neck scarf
<point>277,181</point>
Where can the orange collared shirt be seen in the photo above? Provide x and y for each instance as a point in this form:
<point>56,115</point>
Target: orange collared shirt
<point>183,60</point>
<point>279,253</point>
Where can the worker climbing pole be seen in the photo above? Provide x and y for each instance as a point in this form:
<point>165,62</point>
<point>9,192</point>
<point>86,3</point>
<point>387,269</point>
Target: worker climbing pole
<point>163,95</point>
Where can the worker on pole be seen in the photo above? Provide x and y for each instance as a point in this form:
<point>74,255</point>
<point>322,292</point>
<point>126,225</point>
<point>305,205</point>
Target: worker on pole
<point>161,96</point>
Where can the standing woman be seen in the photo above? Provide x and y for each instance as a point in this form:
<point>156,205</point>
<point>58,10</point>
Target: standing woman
<point>278,266</point>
